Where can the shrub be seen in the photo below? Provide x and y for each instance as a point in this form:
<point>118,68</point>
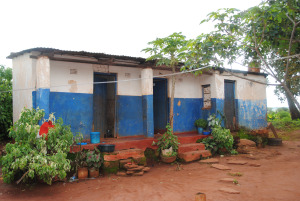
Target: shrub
<point>202,123</point>
<point>221,139</point>
<point>167,140</point>
<point>31,158</point>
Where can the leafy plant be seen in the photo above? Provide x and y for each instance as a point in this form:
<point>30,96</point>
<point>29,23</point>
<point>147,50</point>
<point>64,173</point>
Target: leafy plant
<point>167,140</point>
<point>31,158</point>
<point>93,158</point>
<point>213,121</point>
<point>80,158</point>
<point>202,123</point>
<point>6,111</point>
<point>221,139</point>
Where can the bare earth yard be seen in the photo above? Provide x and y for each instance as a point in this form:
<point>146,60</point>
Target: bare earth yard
<point>277,178</point>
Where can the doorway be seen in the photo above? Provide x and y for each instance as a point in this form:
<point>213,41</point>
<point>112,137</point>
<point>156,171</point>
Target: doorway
<point>229,104</point>
<point>104,101</point>
<point>160,104</point>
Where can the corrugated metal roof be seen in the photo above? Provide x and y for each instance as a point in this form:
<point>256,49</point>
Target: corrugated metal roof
<point>45,50</point>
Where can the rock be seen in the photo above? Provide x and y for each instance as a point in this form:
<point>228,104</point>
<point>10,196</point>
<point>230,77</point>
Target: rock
<point>220,167</point>
<point>237,162</point>
<point>140,160</point>
<point>146,169</point>
<point>209,161</point>
<point>130,166</point>
<point>194,155</point>
<point>245,146</point>
<point>139,168</point>
<point>121,174</point>
<point>129,172</point>
<point>229,190</point>
<point>254,164</point>
<point>228,180</point>
<point>124,162</point>
<point>141,173</point>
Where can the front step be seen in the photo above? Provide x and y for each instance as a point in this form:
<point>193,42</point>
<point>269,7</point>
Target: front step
<point>182,148</point>
<point>194,155</point>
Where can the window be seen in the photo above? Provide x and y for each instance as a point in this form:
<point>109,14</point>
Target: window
<point>206,96</point>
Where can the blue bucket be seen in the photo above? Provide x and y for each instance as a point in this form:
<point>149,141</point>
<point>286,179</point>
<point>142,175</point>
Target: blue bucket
<point>95,137</point>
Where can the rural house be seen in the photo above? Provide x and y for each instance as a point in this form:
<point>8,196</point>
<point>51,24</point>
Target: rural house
<point>123,96</point>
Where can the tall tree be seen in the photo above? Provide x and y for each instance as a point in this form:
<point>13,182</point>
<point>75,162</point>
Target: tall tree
<point>5,101</point>
<point>260,35</point>
<point>168,52</point>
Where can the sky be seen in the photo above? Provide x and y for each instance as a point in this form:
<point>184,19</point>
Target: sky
<point>116,27</point>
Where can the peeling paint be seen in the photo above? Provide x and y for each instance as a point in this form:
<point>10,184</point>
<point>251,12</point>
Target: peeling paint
<point>73,87</point>
<point>179,103</point>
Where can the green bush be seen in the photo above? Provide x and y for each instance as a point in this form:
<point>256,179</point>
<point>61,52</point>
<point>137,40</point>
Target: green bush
<point>5,101</point>
<point>33,157</point>
<point>201,123</point>
<point>221,139</point>
<point>167,140</point>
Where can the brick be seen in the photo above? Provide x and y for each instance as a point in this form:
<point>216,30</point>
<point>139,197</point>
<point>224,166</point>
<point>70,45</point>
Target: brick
<point>194,155</point>
<point>209,161</point>
<point>123,162</point>
<point>182,148</point>
<point>229,190</point>
<point>220,167</point>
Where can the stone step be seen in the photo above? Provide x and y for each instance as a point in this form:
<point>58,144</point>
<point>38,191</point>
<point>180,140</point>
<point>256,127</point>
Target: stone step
<point>194,155</point>
<point>124,154</point>
<point>182,148</point>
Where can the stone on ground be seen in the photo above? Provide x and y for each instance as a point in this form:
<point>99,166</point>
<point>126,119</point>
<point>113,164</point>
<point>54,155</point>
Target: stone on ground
<point>229,190</point>
<point>121,174</point>
<point>237,162</point>
<point>220,167</point>
<point>228,180</point>
<point>254,164</point>
<point>209,161</point>
<point>245,146</point>
<point>194,155</point>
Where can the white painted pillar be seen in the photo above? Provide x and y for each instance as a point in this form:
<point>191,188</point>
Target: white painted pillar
<point>43,84</point>
<point>147,96</point>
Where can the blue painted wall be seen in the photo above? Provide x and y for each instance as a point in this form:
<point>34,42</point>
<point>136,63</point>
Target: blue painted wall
<point>148,123</point>
<point>42,100</point>
<point>129,116</point>
<point>252,113</point>
<point>76,110</point>
<point>186,111</point>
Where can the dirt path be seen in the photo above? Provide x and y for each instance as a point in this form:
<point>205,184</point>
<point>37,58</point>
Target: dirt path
<point>278,178</point>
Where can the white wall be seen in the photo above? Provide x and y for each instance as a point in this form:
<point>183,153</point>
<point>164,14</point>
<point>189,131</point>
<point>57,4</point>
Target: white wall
<point>60,74</point>
<point>24,69</point>
<point>244,89</point>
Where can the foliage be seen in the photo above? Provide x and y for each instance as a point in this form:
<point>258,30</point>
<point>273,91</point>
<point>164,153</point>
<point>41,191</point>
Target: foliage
<point>167,140</point>
<point>267,31</point>
<point>257,138</point>
<point>221,139</point>
<point>93,158</point>
<point>5,101</point>
<point>202,123</point>
<point>213,121</point>
<point>80,159</point>
<point>33,157</point>
<point>168,51</point>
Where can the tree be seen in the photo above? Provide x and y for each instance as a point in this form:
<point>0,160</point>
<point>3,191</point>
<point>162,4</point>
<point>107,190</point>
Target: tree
<point>261,35</point>
<point>168,52</point>
<point>5,101</point>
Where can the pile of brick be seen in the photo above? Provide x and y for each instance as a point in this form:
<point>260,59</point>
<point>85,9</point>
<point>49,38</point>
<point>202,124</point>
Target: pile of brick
<point>133,169</point>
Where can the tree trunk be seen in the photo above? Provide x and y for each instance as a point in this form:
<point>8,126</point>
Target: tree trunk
<point>295,114</point>
<point>172,99</point>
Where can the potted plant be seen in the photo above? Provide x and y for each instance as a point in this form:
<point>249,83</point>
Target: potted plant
<point>93,159</point>
<point>168,146</point>
<point>200,124</point>
<point>80,160</point>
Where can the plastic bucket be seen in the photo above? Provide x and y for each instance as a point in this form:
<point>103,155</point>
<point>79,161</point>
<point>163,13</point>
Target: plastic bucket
<point>200,130</point>
<point>95,137</point>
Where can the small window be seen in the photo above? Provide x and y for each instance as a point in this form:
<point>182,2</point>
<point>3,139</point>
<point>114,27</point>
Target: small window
<point>206,92</point>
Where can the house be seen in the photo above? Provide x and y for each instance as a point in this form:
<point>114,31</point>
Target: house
<point>123,96</point>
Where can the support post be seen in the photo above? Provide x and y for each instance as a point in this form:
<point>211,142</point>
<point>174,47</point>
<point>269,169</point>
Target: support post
<point>43,84</point>
<point>147,96</point>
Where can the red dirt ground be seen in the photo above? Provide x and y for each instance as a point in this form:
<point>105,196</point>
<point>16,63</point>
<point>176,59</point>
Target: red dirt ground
<point>278,178</point>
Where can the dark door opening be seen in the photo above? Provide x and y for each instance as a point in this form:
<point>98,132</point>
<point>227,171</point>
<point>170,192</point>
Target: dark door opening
<point>229,104</point>
<point>160,105</point>
<point>104,100</point>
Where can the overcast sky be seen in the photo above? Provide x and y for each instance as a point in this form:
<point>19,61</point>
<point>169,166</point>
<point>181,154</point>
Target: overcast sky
<point>121,27</point>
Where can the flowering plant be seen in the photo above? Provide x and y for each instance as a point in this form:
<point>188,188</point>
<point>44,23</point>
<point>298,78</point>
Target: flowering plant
<point>93,158</point>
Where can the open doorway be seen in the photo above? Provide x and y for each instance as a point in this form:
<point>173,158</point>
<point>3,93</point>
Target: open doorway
<point>104,101</point>
<point>160,104</point>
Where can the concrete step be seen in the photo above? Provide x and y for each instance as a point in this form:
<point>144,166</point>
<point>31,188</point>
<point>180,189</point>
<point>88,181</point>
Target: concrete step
<point>194,155</point>
<point>182,148</point>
